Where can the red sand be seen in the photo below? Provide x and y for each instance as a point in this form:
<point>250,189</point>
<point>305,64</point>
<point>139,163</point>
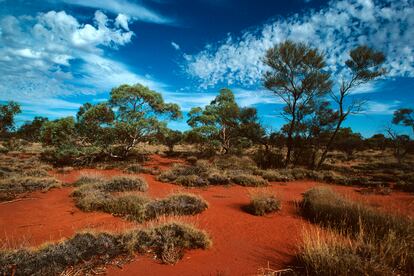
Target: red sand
<point>242,243</point>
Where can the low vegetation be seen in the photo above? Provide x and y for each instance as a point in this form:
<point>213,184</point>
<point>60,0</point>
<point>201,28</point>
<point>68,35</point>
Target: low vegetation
<point>167,242</point>
<point>22,175</point>
<point>363,241</point>
<point>262,203</point>
<point>93,194</point>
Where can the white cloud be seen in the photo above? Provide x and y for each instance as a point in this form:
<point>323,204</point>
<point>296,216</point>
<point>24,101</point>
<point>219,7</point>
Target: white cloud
<point>42,56</point>
<point>175,45</point>
<point>45,58</point>
<point>134,10</point>
<point>122,21</point>
<point>378,108</point>
<point>386,25</point>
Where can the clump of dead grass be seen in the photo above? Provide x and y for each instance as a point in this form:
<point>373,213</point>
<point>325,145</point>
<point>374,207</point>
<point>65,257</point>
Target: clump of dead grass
<point>262,203</point>
<point>360,240</point>
<point>167,242</point>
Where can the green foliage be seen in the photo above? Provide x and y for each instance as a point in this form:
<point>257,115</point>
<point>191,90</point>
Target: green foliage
<point>137,111</point>
<point>109,129</point>
<point>7,113</point>
<point>31,131</point>
<point>404,116</point>
<point>297,76</point>
<point>222,122</point>
<point>59,132</point>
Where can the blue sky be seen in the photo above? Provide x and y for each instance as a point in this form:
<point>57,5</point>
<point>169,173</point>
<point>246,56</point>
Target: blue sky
<point>58,54</point>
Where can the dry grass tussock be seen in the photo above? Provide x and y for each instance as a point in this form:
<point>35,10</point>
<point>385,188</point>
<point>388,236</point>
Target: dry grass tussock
<point>167,242</point>
<point>20,174</point>
<point>93,194</point>
<point>262,202</point>
<point>220,171</point>
<point>361,240</point>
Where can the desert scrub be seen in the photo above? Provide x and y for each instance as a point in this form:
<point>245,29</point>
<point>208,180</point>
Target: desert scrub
<point>137,168</point>
<point>262,202</point>
<point>88,179</point>
<point>249,180</point>
<point>276,175</point>
<point>332,252</point>
<point>176,204</point>
<point>167,242</point>
<point>92,197</point>
<point>381,243</point>
<point>191,180</point>
<point>13,186</point>
<point>323,206</point>
<point>124,183</point>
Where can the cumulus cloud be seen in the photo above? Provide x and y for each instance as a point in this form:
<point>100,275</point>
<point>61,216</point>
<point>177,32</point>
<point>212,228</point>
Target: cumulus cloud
<point>135,10</point>
<point>53,55</point>
<point>386,25</point>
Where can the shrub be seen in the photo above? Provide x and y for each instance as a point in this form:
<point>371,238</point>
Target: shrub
<point>381,242</point>
<point>323,206</point>
<point>276,175</point>
<point>99,248</point>
<point>88,198</point>
<point>192,160</point>
<point>91,197</point>
<point>191,181</point>
<point>130,206</point>
<point>405,186</point>
<point>35,173</point>
<point>124,183</point>
<point>217,178</point>
<point>176,204</point>
<point>18,185</point>
<point>137,168</point>
<point>332,254</point>
<point>88,179</point>
<point>249,180</point>
<point>262,203</point>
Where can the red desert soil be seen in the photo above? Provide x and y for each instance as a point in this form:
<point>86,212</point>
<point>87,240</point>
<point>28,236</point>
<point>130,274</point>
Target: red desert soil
<point>242,243</point>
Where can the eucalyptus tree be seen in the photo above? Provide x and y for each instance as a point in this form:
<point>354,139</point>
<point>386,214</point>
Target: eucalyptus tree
<point>8,112</point>
<point>296,75</point>
<point>139,113</point>
<point>405,117</point>
<point>221,121</point>
<point>364,65</point>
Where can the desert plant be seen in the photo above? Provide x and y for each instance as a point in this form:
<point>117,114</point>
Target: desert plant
<point>249,180</point>
<point>124,183</point>
<point>262,203</point>
<point>54,258</point>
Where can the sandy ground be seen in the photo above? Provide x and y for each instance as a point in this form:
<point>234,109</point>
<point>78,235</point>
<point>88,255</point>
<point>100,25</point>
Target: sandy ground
<point>242,243</point>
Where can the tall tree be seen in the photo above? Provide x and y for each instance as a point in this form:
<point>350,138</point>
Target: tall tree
<point>364,65</point>
<point>7,115</point>
<point>137,112</point>
<point>295,75</point>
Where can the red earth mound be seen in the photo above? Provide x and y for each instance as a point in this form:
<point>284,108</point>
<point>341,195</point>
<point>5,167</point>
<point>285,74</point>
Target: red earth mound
<point>242,243</point>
